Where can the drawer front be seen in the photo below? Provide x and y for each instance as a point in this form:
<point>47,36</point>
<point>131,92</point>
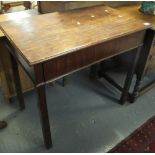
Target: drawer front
<point>74,61</point>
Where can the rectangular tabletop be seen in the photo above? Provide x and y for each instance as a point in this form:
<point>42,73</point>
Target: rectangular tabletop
<point>48,36</point>
<point>61,43</point>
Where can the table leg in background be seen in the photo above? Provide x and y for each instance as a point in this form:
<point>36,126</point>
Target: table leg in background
<point>17,82</point>
<point>129,77</point>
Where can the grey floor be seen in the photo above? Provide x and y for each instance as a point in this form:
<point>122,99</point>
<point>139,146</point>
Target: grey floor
<point>84,115</point>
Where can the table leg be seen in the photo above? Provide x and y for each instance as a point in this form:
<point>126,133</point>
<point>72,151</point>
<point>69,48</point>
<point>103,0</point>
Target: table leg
<point>137,87</point>
<point>64,81</point>
<point>94,71</point>
<point>143,60</point>
<point>44,116</point>
<point>43,109</point>
<point>129,77</point>
<point>17,82</point>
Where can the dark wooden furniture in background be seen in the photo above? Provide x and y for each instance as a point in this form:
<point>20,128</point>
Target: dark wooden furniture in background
<point>6,5</point>
<point>70,41</point>
<point>53,6</point>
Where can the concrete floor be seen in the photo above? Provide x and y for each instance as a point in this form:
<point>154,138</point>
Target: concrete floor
<point>85,117</point>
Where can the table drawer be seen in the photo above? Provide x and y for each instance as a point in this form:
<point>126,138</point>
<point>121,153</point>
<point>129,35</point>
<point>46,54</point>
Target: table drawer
<point>74,61</point>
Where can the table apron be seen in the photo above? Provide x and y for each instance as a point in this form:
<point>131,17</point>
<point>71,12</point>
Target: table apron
<point>66,64</point>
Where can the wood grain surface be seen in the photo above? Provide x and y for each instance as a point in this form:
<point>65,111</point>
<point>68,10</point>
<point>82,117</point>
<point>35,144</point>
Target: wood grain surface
<point>133,10</point>
<point>48,36</point>
<point>69,63</point>
<point>16,15</point>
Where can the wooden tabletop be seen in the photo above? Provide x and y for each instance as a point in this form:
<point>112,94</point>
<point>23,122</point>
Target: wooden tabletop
<point>133,10</point>
<point>16,15</point>
<point>41,38</point>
